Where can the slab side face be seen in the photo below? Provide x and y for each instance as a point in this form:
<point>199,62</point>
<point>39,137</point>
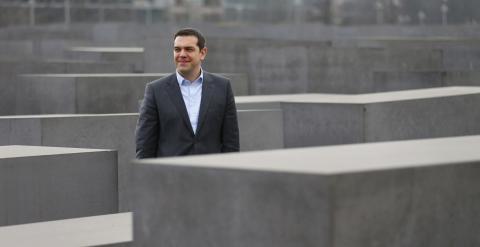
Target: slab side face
<point>429,206</point>
<point>86,231</point>
<point>53,187</point>
<point>45,95</point>
<point>423,118</point>
<point>260,129</point>
<point>322,124</point>
<point>408,193</point>
<point>110,95</point>
<point>112,132</point>
<point>175,206</point>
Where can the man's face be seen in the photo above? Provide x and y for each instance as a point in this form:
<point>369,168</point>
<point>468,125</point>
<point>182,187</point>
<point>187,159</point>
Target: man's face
<point>187,55</point>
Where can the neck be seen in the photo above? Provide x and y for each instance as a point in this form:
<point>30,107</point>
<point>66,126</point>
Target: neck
<point>191,76</point>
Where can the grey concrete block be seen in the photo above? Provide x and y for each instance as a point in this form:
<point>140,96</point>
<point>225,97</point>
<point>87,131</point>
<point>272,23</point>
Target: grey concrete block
<point>45,94</point>
<point>461,58</point>
<point>24,130</point>
<point>109,229</point>
<point>81,93</point>
<point>423,118</point>
<point>403,80</point>
<point>308,124</point>
<point>462,78</point>
<point>128,55</point>
<point>90,93</point>
<point>115,131</point>
<point>351,70</point>
<point>410,114</point>
<point>240,83</point>
<point>47,183</point>
<point>17,48</point>
<point>400,80</point>
<point>278,69</point>
<point>118,33</point>
<point>386,194</point>
<point>59,66</point>
<point>159,55</point>
<point>260,129</point>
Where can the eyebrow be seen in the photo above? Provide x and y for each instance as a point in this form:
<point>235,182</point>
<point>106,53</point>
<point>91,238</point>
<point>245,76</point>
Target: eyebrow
<point>183,46</point>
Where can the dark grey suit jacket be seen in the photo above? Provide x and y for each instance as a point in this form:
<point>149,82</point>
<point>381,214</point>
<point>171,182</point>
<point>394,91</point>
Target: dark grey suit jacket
<point>164,129</point>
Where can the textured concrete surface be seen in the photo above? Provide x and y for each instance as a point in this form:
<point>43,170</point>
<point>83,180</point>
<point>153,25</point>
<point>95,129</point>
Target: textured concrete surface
<point>59,66</point>
<point>110,131</point>
<point>50,183</point>
<point>259,129</point>
<point>90,93</point>
<point>466,78</point>
<point>326,119</point>
<point>409,114</point>
<point>87,231</point>
<point>401,80</point>
<point>385,194</point>
<point>129,55</point>
<point>289,59</point>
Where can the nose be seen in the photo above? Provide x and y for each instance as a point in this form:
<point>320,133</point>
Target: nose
<point>182,53</point>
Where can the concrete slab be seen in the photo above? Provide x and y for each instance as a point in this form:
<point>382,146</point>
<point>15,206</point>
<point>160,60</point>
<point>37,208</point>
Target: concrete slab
<point>259,130</point>
<point>327,119</point>
<point>87,231</point>
<point>59,66</point>
<point>130,55</point>
<point>465,58</point>
<point>350,70</point>
<point>393,193</point>
<point>465,78</point>
<point>401,80</point>
<point>90,93</point>
<point>17,48</point>
<point>404,80</point>
<point>50,183</point>
<point>409,114</point>
<point>112,131</point>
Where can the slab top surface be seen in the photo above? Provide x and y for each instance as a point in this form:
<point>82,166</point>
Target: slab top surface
<point>86,231</point>
<point>17,151</point>
<point>362,98</point>
<point>342,158</point>
<point>42,116</point>
<point>108,49</point>
<point>97,75</point>
<point>419,39</point>
<point>111,75</point>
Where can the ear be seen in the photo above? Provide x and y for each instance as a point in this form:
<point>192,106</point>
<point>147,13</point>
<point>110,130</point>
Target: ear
<point>203,53</point>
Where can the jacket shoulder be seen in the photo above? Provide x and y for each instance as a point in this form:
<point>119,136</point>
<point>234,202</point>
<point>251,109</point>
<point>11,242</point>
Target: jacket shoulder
<point>216,78</point>
<point>162,81</point>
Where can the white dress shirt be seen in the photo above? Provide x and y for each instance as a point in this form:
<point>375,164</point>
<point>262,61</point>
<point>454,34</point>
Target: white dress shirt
<point>192,96</point>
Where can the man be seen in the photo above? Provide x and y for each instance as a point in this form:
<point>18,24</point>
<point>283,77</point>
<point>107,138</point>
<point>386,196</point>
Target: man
<point>190,111</point>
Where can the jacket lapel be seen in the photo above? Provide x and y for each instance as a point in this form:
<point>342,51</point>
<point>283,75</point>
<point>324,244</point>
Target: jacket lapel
<point>207,89</point>
<point>176,97</point>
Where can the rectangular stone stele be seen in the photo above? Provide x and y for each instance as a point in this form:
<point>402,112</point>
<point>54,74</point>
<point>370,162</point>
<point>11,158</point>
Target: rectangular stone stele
<point>410,114</point>
<point>51,183</point>
<point>90,93</point>
<point>87,231</point>
<point>132,55</point>
<point>405,193</point>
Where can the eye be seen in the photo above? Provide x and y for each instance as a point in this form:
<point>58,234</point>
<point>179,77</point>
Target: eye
<point>176,49</point>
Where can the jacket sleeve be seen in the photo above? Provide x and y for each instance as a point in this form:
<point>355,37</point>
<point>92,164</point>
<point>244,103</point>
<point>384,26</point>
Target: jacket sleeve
<point>230,135</point>
<point>146,132</point>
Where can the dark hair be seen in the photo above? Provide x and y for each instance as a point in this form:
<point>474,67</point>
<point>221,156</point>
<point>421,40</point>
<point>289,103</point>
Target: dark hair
<point>192,32</point>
